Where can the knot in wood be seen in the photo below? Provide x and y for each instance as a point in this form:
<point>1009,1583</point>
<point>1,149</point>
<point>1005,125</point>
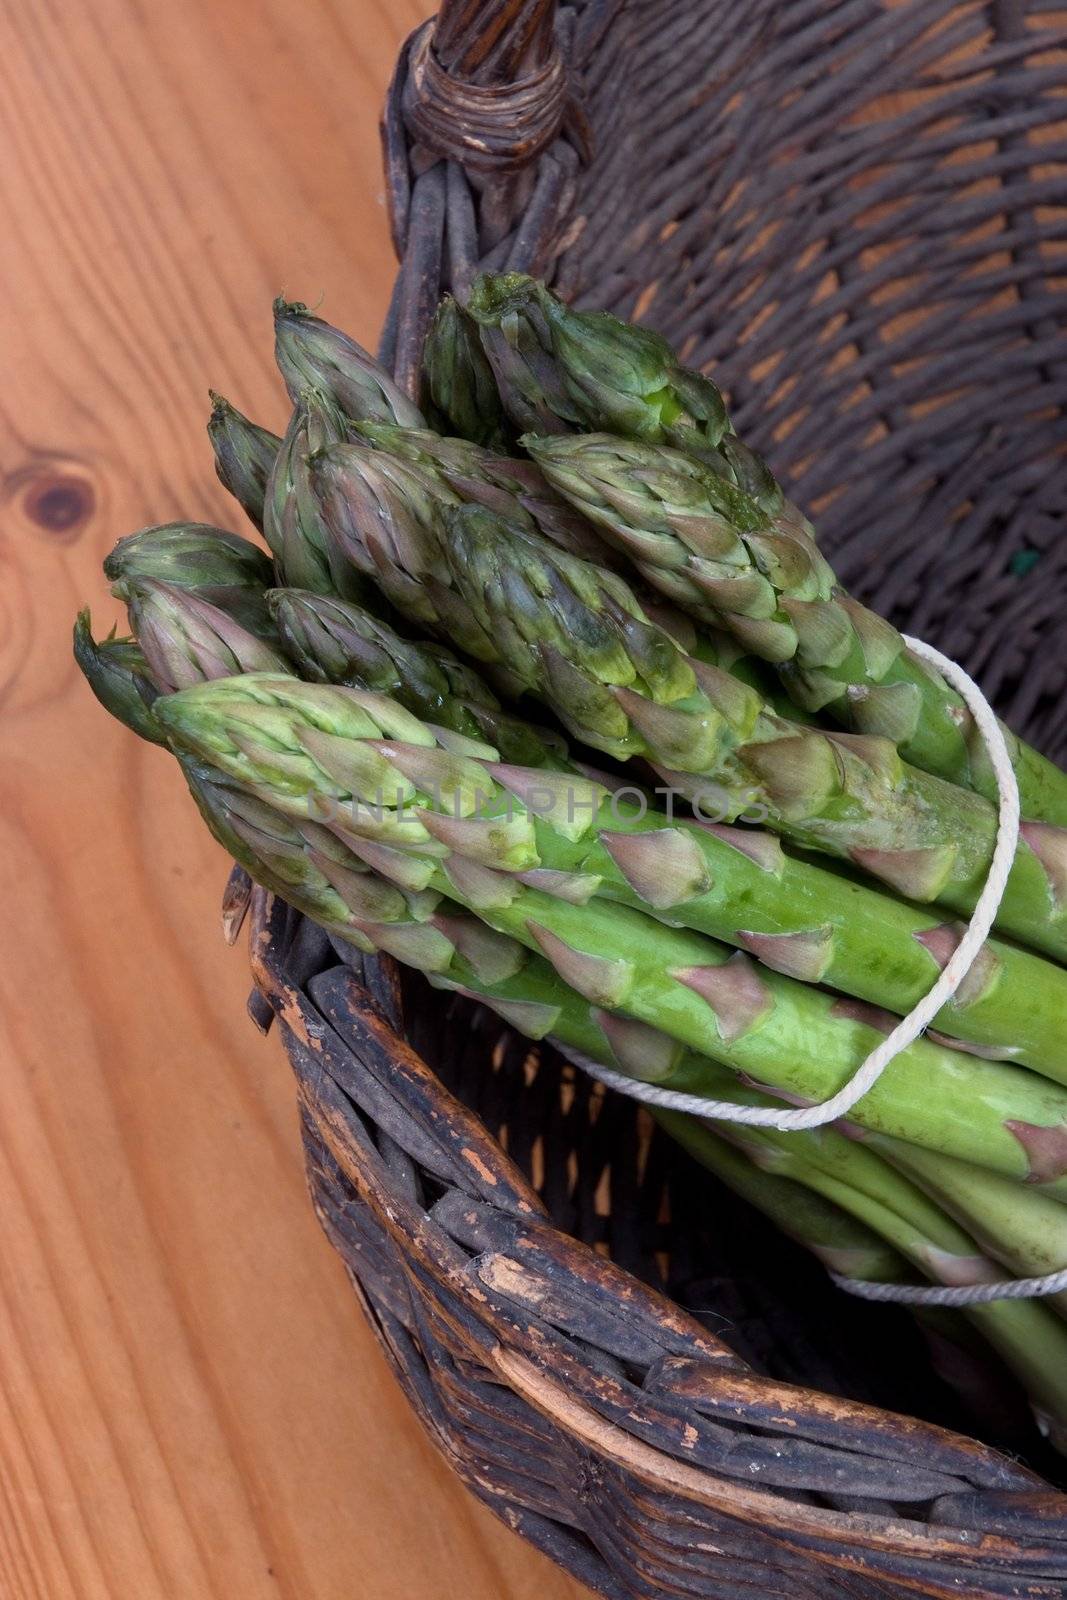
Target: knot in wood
<point>486,127</point>
<point>52,495</point>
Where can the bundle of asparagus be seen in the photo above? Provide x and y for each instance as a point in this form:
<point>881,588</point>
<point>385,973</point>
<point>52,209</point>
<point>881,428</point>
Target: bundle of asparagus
<point>823,813</point>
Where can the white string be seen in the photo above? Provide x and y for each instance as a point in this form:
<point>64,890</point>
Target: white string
<point>969,1294</point>
<point>906,1031</point>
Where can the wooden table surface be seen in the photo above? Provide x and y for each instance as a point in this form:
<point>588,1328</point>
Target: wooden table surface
<point>190,1404</point>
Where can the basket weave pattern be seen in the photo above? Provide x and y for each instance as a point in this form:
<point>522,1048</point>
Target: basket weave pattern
<point>855,213</point>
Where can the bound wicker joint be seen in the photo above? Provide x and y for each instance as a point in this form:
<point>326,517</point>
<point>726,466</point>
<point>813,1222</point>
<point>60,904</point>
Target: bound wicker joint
<point>854,213</point>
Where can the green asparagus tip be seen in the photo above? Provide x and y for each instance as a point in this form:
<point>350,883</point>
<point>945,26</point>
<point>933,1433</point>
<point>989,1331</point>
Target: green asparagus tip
<point>117,674</point>
<point>492,293</point>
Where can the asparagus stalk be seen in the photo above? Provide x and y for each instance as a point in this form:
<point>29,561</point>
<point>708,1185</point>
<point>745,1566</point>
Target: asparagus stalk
<point>1016,1226</point>
<point>244,456</point>
<point>310,868</point>
<point>414,806</point>
<point>117,673</point>
<point>220,567</point>
<point>311,354</point>
<point>578,637</point>
<point>712,549</point>
<point>734,884</point>
<point>843,1244</point>
<point>460,388</point>
<point>589,371</point>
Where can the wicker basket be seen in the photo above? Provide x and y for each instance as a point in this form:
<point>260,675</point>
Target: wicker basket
<point>855,211</point>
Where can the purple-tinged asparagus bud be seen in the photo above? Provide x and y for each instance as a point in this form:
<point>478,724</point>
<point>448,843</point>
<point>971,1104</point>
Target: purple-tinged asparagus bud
<point>506,843</point>
<point>419,944</point>
<point>357,767</point>
<point>492,957</point>
<point>512,487</point>
<point>888,710</point>
<point>1046,1149</point>
<point>984,1052</point>
<point>568,801</point>
<point>576,888</point>
<point>916,874</point>
<point>1049,845</point>
<point>765,849</point>
<point>985,970</point>
<point>534,1019</point>
<point>413,873</point>
<point>482,888</point>
<point>313,354</point>
<point>799,772</point>
<point>185,640</point>
<point>676,736</point>
<point>461,784</point>
<point>869,1016</point>
<point>244,456</point>
<point>293,525</point>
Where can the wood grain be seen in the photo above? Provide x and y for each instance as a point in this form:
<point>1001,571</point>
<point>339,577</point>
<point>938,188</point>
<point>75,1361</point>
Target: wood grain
<point>190,1405</point>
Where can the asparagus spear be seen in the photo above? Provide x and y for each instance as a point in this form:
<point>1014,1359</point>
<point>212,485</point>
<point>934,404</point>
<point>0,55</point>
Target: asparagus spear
<point>311,354</point>
<point>117,673</point>
<point>415,806</point>
<point>310,868</point>
<point>220,567</point>
<point>459,382</point>
<point>735,884</point>
<point>313,868</point>
<point>713,550</point>
<point>244,455</point>
<point>577,636</point>
<point>686,523</point>
<point>186,640</point>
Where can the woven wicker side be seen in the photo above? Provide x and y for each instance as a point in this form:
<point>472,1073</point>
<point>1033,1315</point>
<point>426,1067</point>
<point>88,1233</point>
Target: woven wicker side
<point>841,207</point>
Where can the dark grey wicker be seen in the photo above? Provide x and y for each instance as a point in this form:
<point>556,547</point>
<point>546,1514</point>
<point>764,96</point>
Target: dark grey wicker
<point>856,214</point>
